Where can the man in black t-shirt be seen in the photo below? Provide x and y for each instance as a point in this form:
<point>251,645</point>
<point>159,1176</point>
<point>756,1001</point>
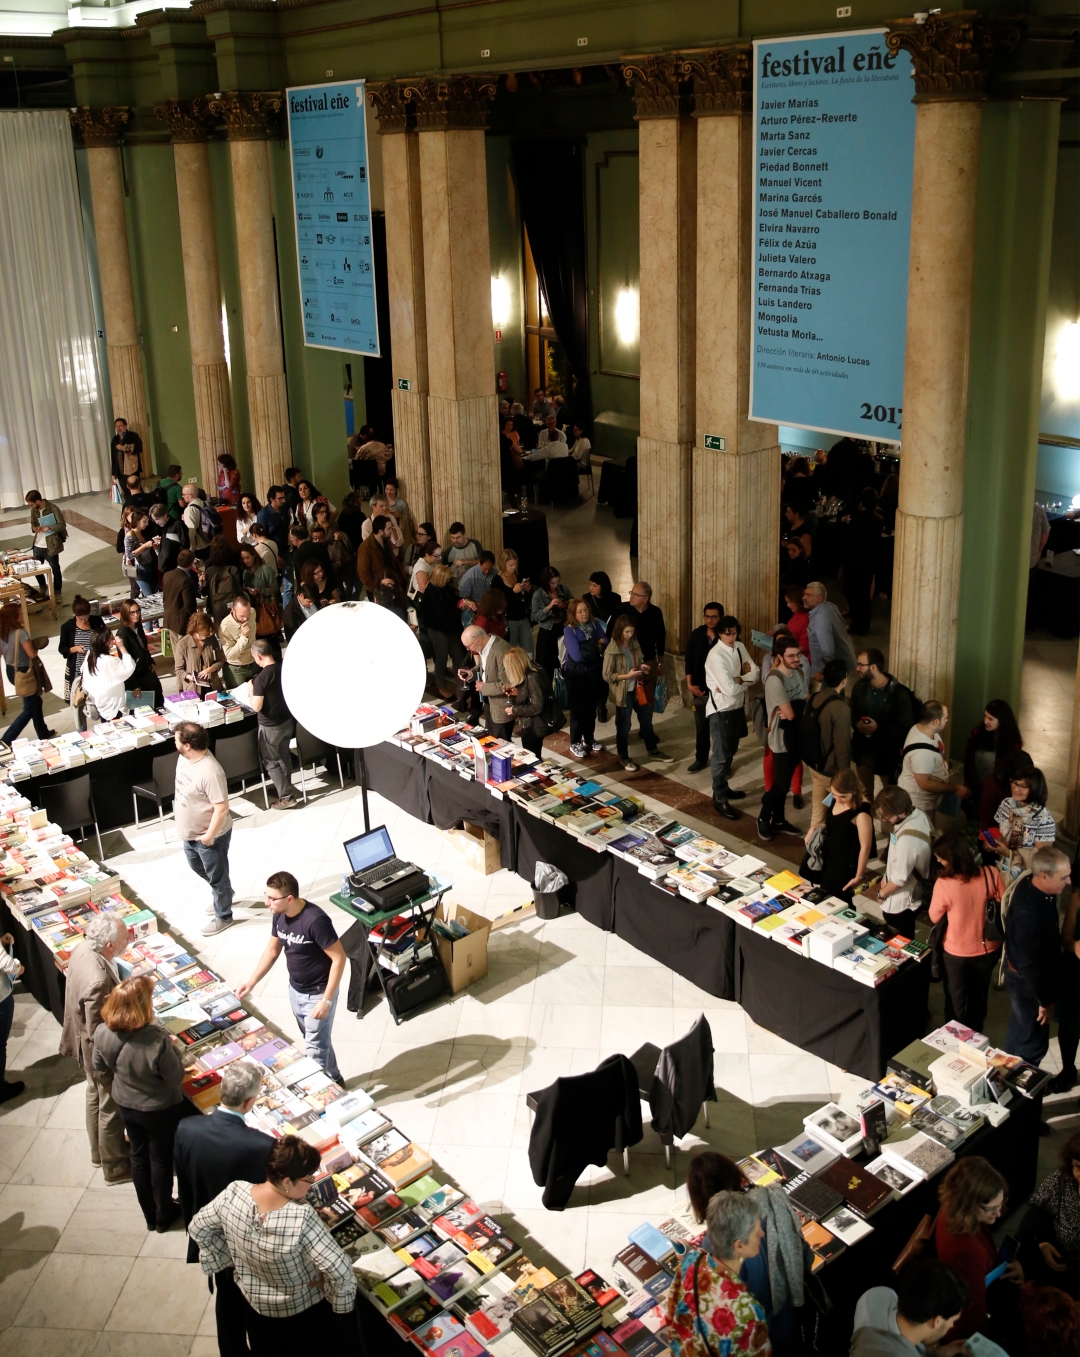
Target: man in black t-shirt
<point>315,960</point>
<point>276,726</point>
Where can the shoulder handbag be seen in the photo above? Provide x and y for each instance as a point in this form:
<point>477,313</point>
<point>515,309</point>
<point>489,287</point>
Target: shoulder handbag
<point>26,678</point>
<point>993,929</point>
<point>78,692</point>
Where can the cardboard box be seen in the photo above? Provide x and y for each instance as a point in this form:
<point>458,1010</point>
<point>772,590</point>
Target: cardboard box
<point>465,959</point>
<point>479,848</point>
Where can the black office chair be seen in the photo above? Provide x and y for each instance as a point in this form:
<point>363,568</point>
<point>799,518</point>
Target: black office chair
<point>71,806</point>
<point>239,759</point>
<point>310,749</point>
<point>160,788</point>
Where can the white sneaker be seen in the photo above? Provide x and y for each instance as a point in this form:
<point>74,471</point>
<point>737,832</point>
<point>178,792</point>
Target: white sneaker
<point>597,748</point>
<point>578,751</point>
<point>216,926</point>
<point>630,765</point>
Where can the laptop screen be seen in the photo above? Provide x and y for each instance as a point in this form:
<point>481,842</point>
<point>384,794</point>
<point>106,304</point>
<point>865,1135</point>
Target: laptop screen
<point>367,849</point>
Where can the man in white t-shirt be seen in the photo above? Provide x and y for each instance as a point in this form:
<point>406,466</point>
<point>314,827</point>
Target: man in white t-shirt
<point>924,773</point>
<point>201,812</point>
<point>908,861</point>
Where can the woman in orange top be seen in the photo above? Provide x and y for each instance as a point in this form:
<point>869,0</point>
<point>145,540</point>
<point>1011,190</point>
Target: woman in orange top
<point>960,893</point>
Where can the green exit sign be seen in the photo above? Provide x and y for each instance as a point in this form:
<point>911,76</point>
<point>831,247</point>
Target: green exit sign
<point>714,441</point>
<point>404,383</point>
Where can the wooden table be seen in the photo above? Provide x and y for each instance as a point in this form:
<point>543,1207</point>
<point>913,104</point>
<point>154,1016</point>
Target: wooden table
<point>43,570</point>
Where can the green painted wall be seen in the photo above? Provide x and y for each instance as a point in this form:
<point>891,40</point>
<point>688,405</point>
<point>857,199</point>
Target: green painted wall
<point>158,277</point>
<point>505,228</point>
<point>1012,260</point>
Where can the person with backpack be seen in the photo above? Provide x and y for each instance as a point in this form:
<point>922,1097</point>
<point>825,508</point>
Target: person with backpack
<point>222,580</point>
<point>882,713</point>
<point>970,952</point>
<point>905,885</point>
<point>202,522</point>
<point>924,773</point>
<point>825,735</point>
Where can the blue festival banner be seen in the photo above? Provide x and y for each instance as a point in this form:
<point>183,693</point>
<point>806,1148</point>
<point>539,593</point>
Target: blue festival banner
<point>332,201</point>
<point>834,130</point>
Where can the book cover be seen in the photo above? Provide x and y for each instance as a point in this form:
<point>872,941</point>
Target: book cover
<point>835,1127</point>
<point>815,1198</point>
<point>656,1244</point>
<point>543,1326</point>
<point>847,1226</point>
<point>603,1294</point>
<point>892,1175</point>
<point>860,1189</point>
<point>807,1154</point>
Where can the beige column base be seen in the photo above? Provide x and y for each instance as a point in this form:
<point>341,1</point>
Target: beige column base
<point>736,498</point>
<point>213,415</point>
<point>925,602</point>
<point>271,447</point>
<point>411,456</point>
<point>464,448</point>
<point>664,530</point>
<point>128,396</point>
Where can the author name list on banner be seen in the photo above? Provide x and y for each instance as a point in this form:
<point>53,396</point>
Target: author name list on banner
<point>834,130</point>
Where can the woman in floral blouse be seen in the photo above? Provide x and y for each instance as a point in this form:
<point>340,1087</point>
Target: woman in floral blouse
<point>707,1302</point>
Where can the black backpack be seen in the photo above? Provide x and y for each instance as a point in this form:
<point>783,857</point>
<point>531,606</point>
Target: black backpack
<point>810,734</point>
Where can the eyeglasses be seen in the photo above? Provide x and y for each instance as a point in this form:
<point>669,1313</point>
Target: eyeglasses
<point>275,899</point>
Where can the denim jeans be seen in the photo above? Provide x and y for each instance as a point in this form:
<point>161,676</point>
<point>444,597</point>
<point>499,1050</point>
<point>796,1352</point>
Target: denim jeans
<point>31,711</point>
<point>724,732</point>
<point>286,591</point>
<point>212,864</point>
<point>146,587</point>
<point>519,633</point>
<point>1024,1036</point>
<point>316,1031</point>
<point>622,727</point>
<point>41,554</point>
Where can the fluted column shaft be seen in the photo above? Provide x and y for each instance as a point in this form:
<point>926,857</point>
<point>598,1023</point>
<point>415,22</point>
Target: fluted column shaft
<point>736,489</point>
<point>117,294</point>
<point>202,285</point>
<point>930,519</point>
<point>462,408</point>
<point>408,317</point>
<point>667,148</point>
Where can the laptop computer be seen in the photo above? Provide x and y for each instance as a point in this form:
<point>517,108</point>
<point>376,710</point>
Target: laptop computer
<point>378,874</point>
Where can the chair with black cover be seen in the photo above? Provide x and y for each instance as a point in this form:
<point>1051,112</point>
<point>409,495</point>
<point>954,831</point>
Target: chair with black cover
<point>161,786</point>
<point>310,749</point>
<point>239,758</point>
<point>676,1081</point>
<point>71,806</point>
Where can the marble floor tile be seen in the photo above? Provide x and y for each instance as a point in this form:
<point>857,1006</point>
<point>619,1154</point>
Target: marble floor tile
<point>105,1222</point>
<point>14,1143</point>
<point>160,1296</point>
<point>18,1271</point>
<point>75,1291</point>
<point>482,1119</point>
<point>636,985</point>
<point>39,1342</point>
<point>566,1024</point>
<point>782,1078</point>
<point>33,1218</point>
<point>57,1158</point>
<point>113,1343</point>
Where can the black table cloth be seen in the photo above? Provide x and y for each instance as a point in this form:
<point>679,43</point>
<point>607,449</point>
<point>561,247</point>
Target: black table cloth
<point>399,776</point>
<point>693,940</point>
<point>827,1013</point>
<point>590,888</point>
<point>527,534</point>
<point>452,798</point>
<point>42,977</point>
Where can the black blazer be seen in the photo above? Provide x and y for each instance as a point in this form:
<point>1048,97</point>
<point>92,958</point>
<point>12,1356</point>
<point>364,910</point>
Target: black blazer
<point>210,1153</point>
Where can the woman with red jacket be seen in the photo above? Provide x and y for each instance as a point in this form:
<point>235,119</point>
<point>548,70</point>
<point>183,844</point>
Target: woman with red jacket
<point>972,1196</point>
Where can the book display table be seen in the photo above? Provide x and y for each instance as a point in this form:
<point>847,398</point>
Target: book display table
<point>42,976</point>
<point>822,1011</point>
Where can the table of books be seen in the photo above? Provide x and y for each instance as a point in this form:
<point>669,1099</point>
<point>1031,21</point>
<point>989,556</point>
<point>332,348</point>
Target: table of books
<point>712,917</point>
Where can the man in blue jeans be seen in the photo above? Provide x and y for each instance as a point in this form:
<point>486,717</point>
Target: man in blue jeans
<point>201,812</point>
<point>315,960</point>
<point>1032,949</point>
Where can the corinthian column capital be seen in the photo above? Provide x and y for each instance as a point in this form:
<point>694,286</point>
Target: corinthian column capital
<point>723,80</point>
<point>248,116</point>
<point>394,111</point>
<point>660,85</point>
<point>99,126</point>
<point>188,119</point>
<point>953,54</point>
<point>456,102</point>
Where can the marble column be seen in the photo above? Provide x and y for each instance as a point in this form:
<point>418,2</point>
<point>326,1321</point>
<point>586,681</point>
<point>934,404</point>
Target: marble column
<point>667,209</point>
<point>735,508</point>
<point>1072,785</point>
<point>248,120</point>
<point>461,404</point>
<point>187,121</point>
<point>951,57</point>
<point>405,272</point>
<point>100,129</point>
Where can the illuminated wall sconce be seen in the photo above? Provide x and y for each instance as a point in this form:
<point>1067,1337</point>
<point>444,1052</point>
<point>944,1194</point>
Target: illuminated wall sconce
<point>500,302</point>
<point>626,315</point>
<point>1067,362</point>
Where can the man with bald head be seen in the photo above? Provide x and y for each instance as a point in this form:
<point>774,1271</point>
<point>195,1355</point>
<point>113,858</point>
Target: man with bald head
<point>91,978</point>
<point>489,675</point>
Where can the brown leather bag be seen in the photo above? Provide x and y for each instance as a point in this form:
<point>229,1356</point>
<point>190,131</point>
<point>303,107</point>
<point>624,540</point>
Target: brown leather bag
<point>916,1245</point>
